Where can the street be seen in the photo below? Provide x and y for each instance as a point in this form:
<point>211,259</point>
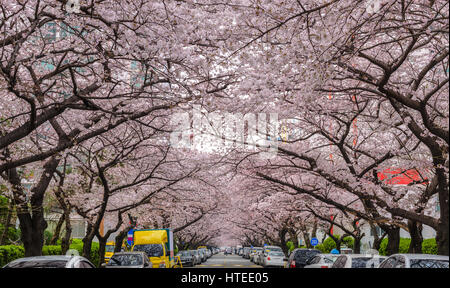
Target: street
<point>228,261</point>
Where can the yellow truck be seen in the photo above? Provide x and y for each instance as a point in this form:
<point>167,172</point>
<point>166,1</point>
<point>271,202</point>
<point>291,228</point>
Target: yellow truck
<point>158,244</point>
<point>109,250</point>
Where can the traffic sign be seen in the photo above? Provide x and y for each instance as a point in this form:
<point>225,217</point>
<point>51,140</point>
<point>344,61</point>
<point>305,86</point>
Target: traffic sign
<point>130,237</point>
<point>314,242</point>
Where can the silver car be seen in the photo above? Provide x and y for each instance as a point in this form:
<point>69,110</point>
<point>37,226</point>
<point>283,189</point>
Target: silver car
<point>265,253</point>
<point>415,261</point>
<point>128,260</point>
<point>55,261</point>
<point>358,261</point>
<point>255,253</point>
<point>321,261</point>
<point>272,259</point>
<point>197,257</point>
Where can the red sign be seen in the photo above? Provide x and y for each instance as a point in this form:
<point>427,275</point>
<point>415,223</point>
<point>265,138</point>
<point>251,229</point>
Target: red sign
<point>400,176</point>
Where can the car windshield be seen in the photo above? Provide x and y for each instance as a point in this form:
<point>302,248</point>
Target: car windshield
<point>38,264</point>
<point>429,263</point>
<point>109,248</point>
<point>304,255</point>
<point>125,260</point>
<point>360,262</point>
<point>278,249</point>
<point>276,253</point>
<point>184,253</point>
<point>152,250</point>
<point>330,259</point>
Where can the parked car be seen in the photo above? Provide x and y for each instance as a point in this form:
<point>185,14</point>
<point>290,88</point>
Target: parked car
<point>272,259</point>
<point>186,257</point>
<point>415,261</point>
<point>202,255</point>
<point>321,261</point>
<point>255,253</point>
<point>137,259</point>
<point>299,257</point>
<point>266,251</point>
<point>246,253</point>
<point>197,257</point>
<point>55,261</point>
<point>358,261</point>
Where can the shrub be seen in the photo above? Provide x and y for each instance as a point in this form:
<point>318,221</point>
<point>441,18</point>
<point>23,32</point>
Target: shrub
<point>290,245</point>
<point>348,241</point>
<point>9,253</point>
<point>429,246</point>
<point>322,249</point>
<point>329,244</point>
<point>47,237</point>
<point>13,234</point>
<point>51,250</point>
<point>403,247</point>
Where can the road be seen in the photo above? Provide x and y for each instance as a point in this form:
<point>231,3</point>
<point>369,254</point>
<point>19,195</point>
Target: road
<point>228,261</point>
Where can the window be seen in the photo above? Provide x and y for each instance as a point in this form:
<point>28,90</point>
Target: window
<point>429,263</point>
<point>126,260</point>
<point>400,262</point>
<point>360,262</point>
<point>315,260</point>
<point>378,231</point>
<point>301,256</point>
<point>340,262</point>
<point>152,250</point>
<point>389,263</point>
<point>85,264</point>
<point>79,229</point>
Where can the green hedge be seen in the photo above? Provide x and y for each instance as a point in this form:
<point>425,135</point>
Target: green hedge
<point>428,246</point>
<point>329,244</point>
<point>9,253</point>
<point>13,234</point>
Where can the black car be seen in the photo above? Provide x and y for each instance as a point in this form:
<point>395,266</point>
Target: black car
<point>187,258</point>
<point>299,257</point>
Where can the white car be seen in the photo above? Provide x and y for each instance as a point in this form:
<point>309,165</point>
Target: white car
<point>415,261</point>
<point>273,259</point>
<point>322,261</point>
<point>358,261</point>
<point>265,253</point>
<point>56,261</point>
<point>254,253</point>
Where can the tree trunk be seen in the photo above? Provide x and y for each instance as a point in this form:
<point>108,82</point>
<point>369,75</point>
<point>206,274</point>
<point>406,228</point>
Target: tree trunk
<point>120,238</point>
<point>102,250</point>
<point>442,236</point>
<point>442,233</point>
<point>57,232</point>
<point>314,230</point>
<point>393,240</point>
<point>357,245</point>
<point>415,232</point>
<point>65,241</point>
<point>87,242</point>
<point>307,239</point>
